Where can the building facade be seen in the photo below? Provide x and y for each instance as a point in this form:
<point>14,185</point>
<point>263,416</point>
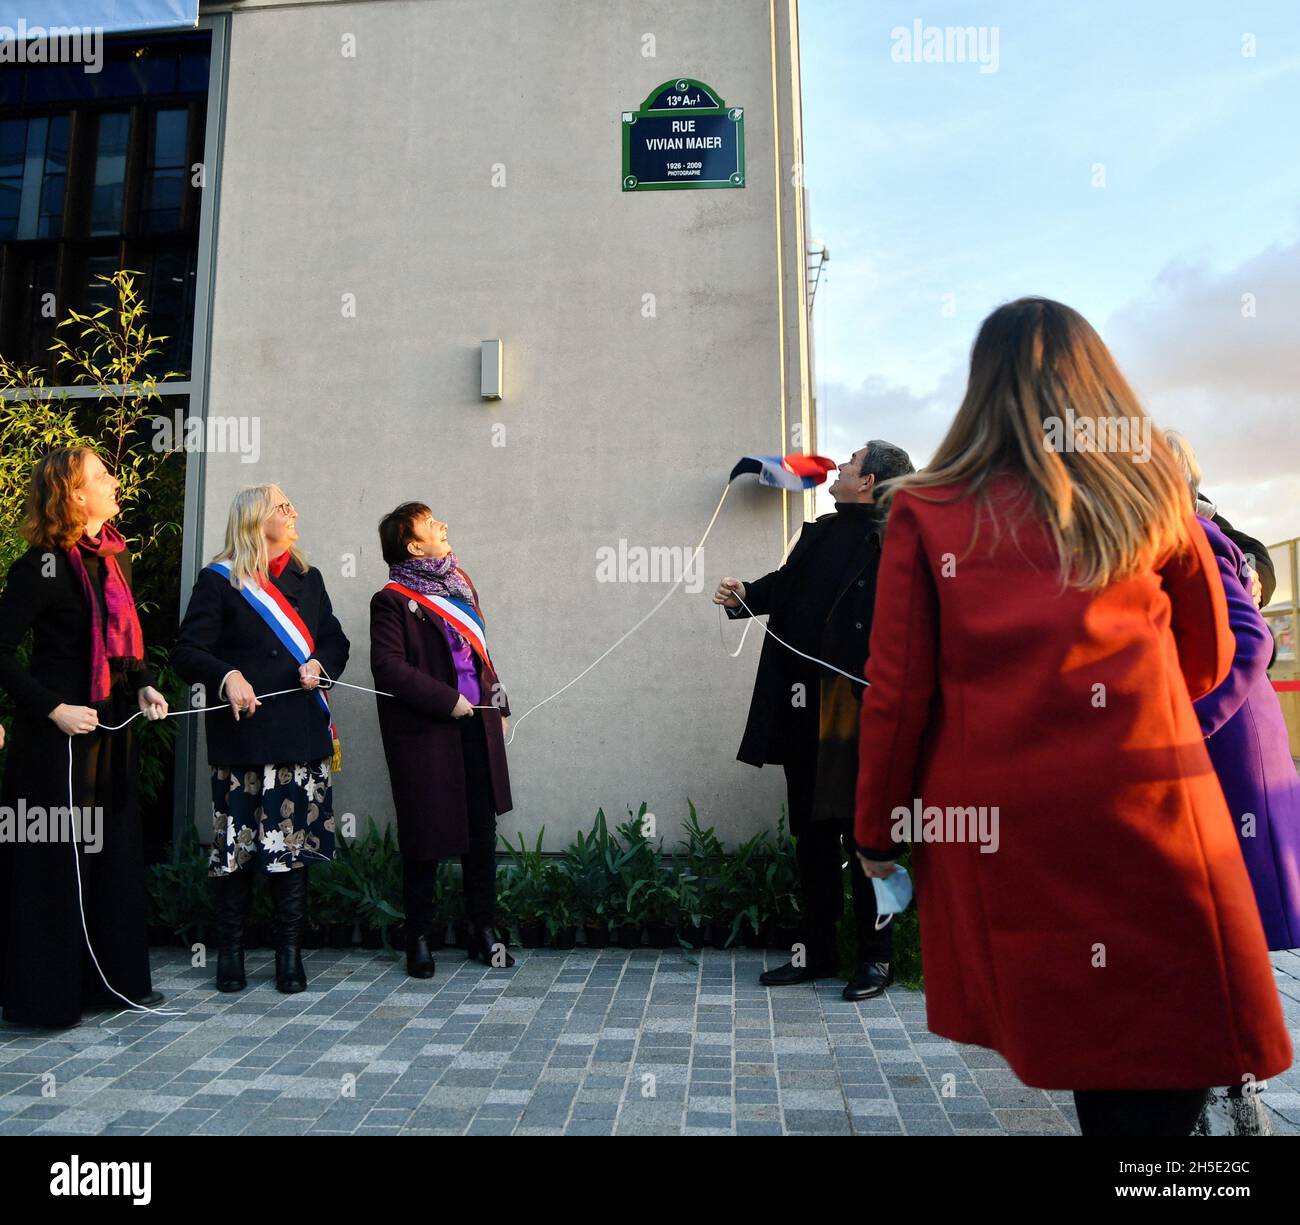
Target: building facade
<point>392,182</point>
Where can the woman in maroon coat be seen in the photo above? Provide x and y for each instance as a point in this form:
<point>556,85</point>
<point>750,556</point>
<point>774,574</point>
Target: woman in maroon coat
<point>443,729</point>
<point>1046,612</point>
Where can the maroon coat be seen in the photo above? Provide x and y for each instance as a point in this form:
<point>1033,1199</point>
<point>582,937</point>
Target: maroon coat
<point>410,658</point>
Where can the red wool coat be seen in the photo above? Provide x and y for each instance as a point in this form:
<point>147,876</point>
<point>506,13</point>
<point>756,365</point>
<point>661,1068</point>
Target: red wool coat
<point>1112,940</point>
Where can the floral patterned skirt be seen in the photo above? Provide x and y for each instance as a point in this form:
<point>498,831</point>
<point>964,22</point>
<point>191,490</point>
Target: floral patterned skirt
<point>271,818</point>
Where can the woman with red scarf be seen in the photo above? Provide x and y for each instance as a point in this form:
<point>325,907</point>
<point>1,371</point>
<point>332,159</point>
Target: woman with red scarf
<point>72,591</point>
<point>259,621</point>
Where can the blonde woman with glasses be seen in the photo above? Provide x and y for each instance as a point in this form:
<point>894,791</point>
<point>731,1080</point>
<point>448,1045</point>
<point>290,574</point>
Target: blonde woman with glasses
<point>259,621</point>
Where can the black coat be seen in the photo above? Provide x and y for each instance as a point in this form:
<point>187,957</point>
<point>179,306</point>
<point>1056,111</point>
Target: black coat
<point>843,642</point>
<point>221,632</point>
<point>46,597</point>
<point>46,977</point>
<point>1257,553</point>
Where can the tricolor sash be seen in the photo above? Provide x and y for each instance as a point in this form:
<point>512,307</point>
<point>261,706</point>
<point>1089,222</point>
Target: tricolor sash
<point>461,616</point>
<point>282,619</point>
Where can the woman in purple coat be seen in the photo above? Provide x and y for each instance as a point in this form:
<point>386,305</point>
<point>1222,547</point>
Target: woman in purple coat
<point>443,730</point>
<point>1246,736</point>
<point>1247,739</point>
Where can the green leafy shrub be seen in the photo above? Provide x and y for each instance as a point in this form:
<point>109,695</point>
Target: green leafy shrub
<point>700,883</point>
<point>368,874</point>
<point>109,350</point>
<point>646,890</point>
<point>179,892</point>
<point>522,885</point>
<point>588,864</point>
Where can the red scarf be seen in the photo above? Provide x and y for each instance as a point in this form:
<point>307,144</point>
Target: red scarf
<point>121,639</point>
<point>278,563</point>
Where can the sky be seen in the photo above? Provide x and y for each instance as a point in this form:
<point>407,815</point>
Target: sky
<point>1140,163</point>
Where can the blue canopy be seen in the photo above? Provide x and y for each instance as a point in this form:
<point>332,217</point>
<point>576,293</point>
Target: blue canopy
<point>111,16</point>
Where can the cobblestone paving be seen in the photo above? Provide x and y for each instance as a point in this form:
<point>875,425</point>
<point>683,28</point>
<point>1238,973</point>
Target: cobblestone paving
<point>580,1043</point>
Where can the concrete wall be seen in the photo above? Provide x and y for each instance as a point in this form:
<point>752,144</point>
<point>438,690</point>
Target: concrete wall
<point>373,176</point>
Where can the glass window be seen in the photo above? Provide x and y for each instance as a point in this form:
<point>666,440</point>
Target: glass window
<point>110,172</point>
<point>13,145</point>
<point>54,179</point>
<point>94,177</point>
<point>97,293</point>
<point>164,186</point>
<point>13,153</point>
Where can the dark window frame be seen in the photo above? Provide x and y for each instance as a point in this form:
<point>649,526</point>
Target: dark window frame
<point>24,334</point>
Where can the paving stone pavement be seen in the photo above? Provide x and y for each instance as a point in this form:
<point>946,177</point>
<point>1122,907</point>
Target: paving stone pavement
<point>579,1043</point>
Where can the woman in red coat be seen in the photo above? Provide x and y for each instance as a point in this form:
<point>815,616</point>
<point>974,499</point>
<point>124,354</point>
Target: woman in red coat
<point>1047,610</point>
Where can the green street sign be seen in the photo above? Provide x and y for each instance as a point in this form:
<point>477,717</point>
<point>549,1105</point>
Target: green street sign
<point>683,136</point>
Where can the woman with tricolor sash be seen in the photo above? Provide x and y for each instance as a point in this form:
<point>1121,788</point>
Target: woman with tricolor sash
<point>443,730</point>
<point>259,622</point>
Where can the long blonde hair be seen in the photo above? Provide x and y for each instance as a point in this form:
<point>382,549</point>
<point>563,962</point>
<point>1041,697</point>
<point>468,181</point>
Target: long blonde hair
<point>245,547</point>
<point>1039,370</point>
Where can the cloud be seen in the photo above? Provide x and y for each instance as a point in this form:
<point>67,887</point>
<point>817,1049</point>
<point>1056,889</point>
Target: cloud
<point>850,416</point>
<point>1229,380</point>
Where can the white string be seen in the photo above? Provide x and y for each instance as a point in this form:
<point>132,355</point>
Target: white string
<point>327,682</point>
<point>857,680</point>
<point>750,621</point>
<point>131,1005</point>
<point>671,591</point>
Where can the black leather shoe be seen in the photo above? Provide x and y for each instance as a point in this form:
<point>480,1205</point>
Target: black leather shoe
<point>419,878</point>
<point>790,974</point>
<point>230,969</point>
<point>870,981</point>
<point>233,892</point>
<point>419,961</point>
<point>289,896</point>
<point>290,977</point>
<point>482,941</point>
<point>152,1000</point>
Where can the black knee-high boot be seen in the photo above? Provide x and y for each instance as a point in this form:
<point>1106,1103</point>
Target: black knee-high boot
<point>289,895</point>
<point>418,880</point>
<point>233,891</point>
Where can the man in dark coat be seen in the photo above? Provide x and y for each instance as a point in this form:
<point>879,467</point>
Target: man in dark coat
<point>805,717</point>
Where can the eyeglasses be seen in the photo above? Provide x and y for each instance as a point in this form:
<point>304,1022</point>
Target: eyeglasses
<point>286,509</point>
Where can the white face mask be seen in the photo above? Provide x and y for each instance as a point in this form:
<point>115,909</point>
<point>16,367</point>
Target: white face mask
<point>893,895</point>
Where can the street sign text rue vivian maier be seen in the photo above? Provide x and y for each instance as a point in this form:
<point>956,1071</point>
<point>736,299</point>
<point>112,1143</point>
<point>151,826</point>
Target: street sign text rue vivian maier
<point>684,135</point>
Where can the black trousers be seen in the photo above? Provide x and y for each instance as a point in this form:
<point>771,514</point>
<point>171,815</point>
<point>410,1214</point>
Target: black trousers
<point>821,847</point>
<point>1138,1112</point>
<point>479,862</point>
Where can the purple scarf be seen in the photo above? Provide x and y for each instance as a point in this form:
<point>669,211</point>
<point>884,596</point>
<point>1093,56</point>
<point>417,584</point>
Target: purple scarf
<point>121,639</point>
<point>435,576</point>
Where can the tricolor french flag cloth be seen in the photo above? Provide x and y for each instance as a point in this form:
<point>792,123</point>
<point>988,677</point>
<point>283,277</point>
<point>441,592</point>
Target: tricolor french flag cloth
<point>463,617</point>
<point>785,471</point>
<point>273,607</point>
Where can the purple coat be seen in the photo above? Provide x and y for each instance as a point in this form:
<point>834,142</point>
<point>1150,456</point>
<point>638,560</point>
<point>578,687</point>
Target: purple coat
<point>1247,740</point>
<point>410,657</point>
